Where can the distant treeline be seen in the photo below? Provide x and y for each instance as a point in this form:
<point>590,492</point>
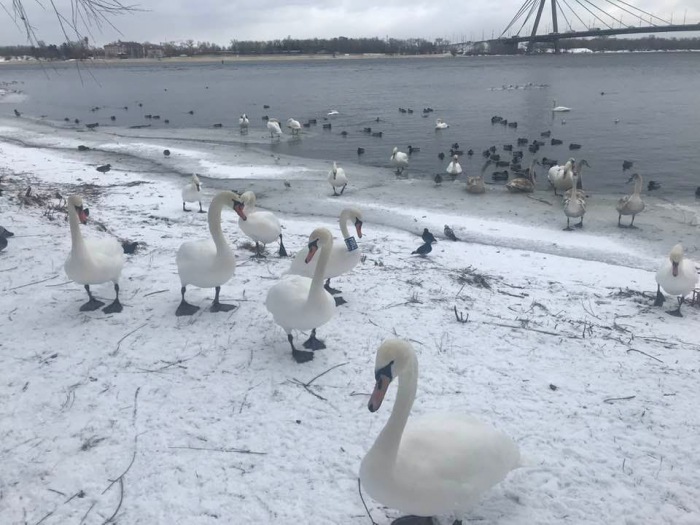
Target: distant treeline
<point>647,43</point>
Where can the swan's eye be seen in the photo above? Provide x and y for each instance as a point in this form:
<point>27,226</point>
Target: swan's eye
<point>358,222</point>
<point>313,244</point>
<point>384,371</point>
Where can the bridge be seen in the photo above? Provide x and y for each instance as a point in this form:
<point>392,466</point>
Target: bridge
<point>611,21</point>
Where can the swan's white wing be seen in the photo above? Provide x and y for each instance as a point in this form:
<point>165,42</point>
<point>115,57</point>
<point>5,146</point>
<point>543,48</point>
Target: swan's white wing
<point>261,226</point>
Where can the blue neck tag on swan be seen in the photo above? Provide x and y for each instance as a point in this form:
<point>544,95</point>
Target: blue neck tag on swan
<point>351,243</point>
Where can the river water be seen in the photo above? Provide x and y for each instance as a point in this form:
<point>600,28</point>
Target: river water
<point>654,98</point>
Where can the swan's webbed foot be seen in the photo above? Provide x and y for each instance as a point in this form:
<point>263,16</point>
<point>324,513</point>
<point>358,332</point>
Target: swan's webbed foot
<point>339,301</point>
<point>413,520</point>
<point>335,193</point>
<point>184,208</point>
<point>300,356</point>
<point>579,225</point>
<point>92,305</point>
<point>314,344</point>
<point>258,252</point>
<point>343,188</point>
<point>330,290</point>
<point>200,209</point>
<point>186,308</point>
<point>113,308</point>
<point>221,307</point>
<point>677,311</point>
<point>660,299</point>
<point>568,229</point>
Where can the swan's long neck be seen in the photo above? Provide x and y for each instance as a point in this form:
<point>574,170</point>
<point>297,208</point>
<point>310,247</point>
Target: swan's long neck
<point>637,186</point>
<point>214,217</point>
<point>77,243</point>
<point>389,439</point>
<point>344,218</point>
<point>316,289</point>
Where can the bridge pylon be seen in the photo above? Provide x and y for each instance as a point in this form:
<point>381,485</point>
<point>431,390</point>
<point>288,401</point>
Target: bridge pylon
<point>535,26</point>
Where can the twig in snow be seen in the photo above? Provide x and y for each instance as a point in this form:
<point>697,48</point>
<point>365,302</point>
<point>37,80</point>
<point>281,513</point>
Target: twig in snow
<point>42,519</point>
<point>154,293</point>
<point>119,505</point>
<point>538,200</point>
<point>644,353</point>
<point>8,269</point>
<point>233,450</point>
<point>519,296</point>
<point>353,393</point>
<point>136,406</point>
<point>359,489</point>
<point>613,399</point>
<point>133,458</point>
<point>170,364</point>
<point>32,283</point>
<point>116,350</point>
<point>59,284</point>
<point>307,386</point>
<point>460,316</point>
<point>57,492</point>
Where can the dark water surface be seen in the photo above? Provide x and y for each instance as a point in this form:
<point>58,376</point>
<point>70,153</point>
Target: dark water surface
<point>655,97</point>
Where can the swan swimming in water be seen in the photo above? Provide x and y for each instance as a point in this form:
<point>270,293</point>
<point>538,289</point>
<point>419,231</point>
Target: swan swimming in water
<point>300,303</point>
<point>400,160</point>
<point>209,263</point>
<point>434,464</point>
<point>343,258</point>
<point>677,276</point>
<point>559,109</point>
<point>631,204</point>
<point>92,261</point>
<point>192,192</point>
<point>441,124</point>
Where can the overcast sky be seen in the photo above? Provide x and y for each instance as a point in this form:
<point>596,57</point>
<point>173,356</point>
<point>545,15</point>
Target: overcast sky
<point>222,20</point>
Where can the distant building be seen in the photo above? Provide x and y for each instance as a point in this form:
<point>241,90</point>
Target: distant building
<point>153,51</point>
<point>121,49</point>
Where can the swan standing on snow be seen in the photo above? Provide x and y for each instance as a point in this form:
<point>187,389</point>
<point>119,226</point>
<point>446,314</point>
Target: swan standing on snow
<point>343,257</point>
<point>560,176</point>
<point>525,184</point>
<point>294,125</point>
<point>400,160</point>
<point>574,204</point>
<point>273,126</point>
<point>441,124</point>
<point>209,263</point>
<point>337,179</point>
<point>475,183</point>
<point>192,192</point>
<point>559,109</point>
<point>677,276</point>
<point>92,261</point>
<point>434,464</point>
<point>300,303</point>
<point>260,226</point>
<point>243,124</point>
<point>454,168</point>
<point>632,204</point>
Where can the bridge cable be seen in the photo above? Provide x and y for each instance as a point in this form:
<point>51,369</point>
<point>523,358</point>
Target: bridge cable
<point>522,10</point>
<point>643,11</point>
<point>561,10</point>
<point>630,12</point>
<point>574,12</point>
<point>532,10</point>
<point>594,15</point>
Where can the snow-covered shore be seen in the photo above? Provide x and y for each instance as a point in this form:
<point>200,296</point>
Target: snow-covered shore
<point>598,388</point>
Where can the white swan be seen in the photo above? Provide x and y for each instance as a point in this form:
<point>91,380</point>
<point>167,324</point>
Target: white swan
<point>454,168</point>
<point>677,276</point>
<point>92,261</point>
<point>273,126</point>
<point>574,204</point>
<point>300,303</point>
<point>192,192</point>
<point>209,263</point>
<point>343,258</point>
<point>433,464</point>
<point>560,176</point>
<point>294,125</point>
<point>337,179</point>
<point>333,113</point>
<point>559,109</point>
<point>260,226</point>
<point>243,123</point>
<point>631,204</point>
<point>400,160</point>
<point>441,124</point>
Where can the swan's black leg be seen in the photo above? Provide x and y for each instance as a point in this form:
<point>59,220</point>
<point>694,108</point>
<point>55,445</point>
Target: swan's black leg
<point>660,299</point>
<point>200,207</point>
<point>183,206</point>
<point>185,308</point>
<point>283,251</point>
<point>619,218</point>
<point>313,343</point>
<point>300,356</point>
<point>580,224</point>
<point>677,311</point>
<point>116,306</point>
<point>335,193</point>
<point>220,307</point>
<point>258,252</point>
<point>568,228</point>
<point>92,304</point>
<point>330,290</point>
<point>413,520</point>
<point>632,223</point>
<point>343,188</point>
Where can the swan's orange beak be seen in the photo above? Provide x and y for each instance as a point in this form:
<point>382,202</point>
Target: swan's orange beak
<point>380,388</point>
<point>675,268</point>
<point>82,216</point>
<point>238,208</point>
<point>313,247</point>
<point>358,227</point>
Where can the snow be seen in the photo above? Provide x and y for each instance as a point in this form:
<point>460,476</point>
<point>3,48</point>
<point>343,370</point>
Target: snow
<point>597,387</point>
